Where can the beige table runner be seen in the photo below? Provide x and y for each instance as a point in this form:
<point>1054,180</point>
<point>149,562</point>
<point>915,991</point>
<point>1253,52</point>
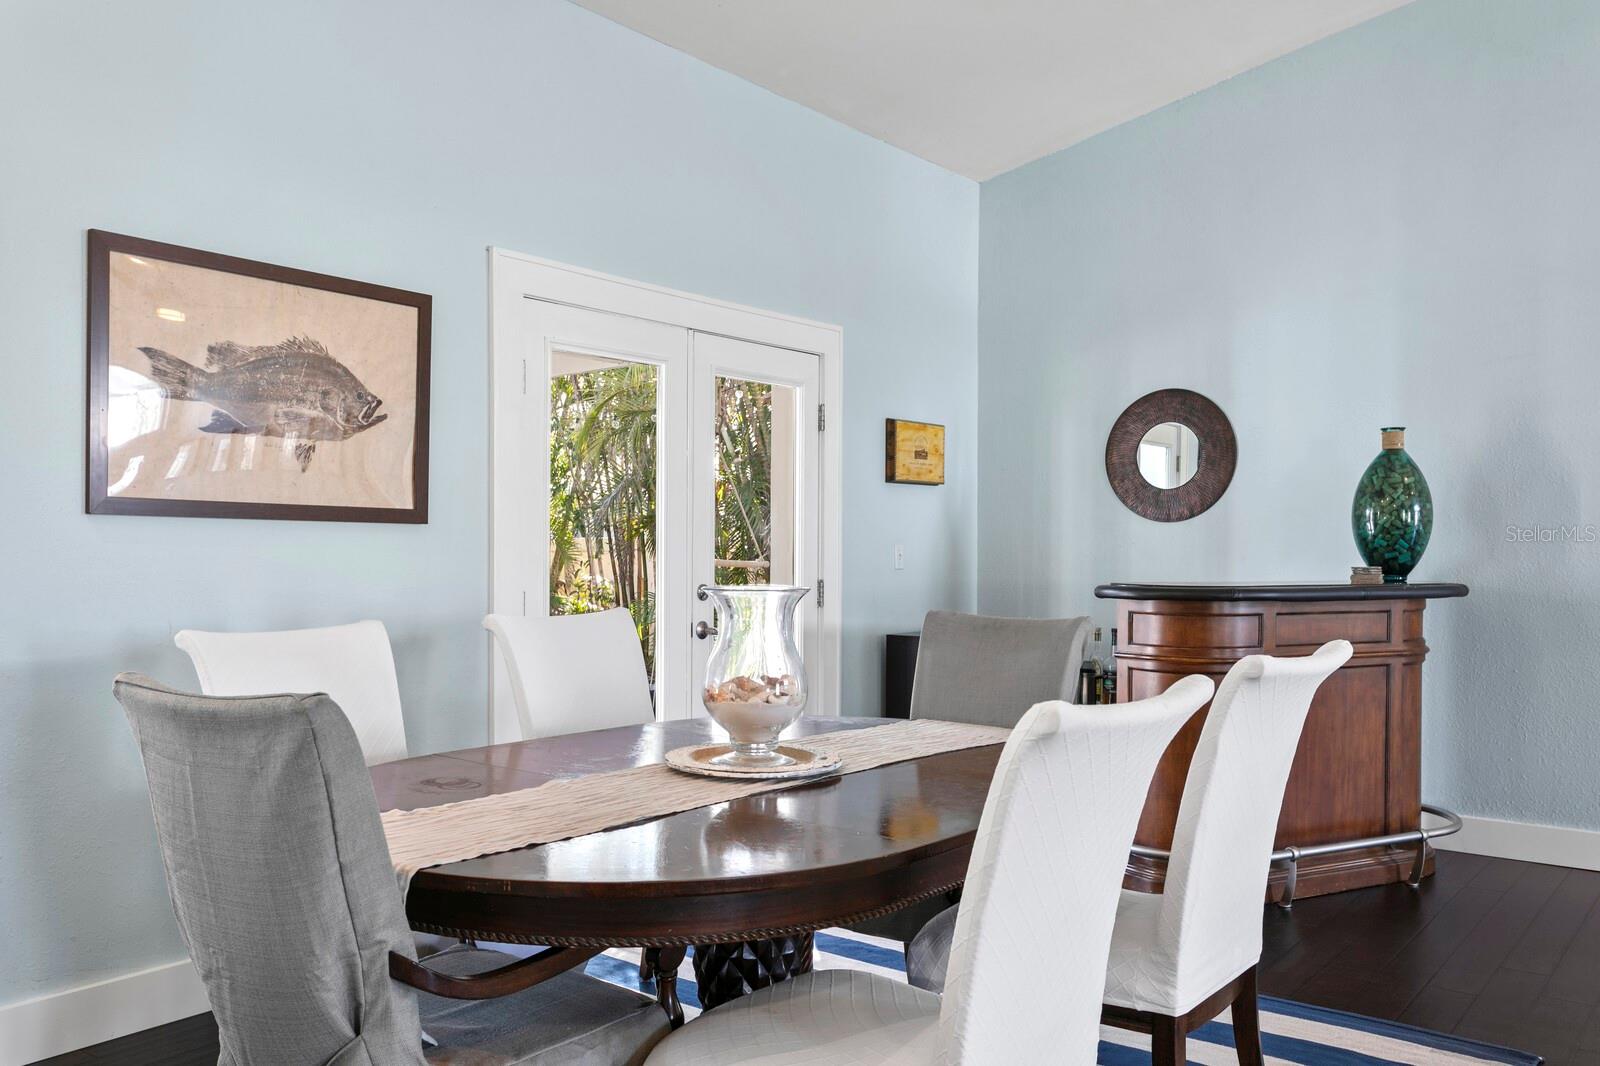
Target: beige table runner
<point>576,806</point>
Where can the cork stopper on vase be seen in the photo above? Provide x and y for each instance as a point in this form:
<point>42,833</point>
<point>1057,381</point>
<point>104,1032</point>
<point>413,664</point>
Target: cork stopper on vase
<point>1394,438</point>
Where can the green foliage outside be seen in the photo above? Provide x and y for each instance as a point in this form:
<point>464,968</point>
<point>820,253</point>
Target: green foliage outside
<point>603,490</point>
<point>744,480</point>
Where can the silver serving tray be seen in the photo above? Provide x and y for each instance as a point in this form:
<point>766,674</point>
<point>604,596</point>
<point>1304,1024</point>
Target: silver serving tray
<point>696,759</point>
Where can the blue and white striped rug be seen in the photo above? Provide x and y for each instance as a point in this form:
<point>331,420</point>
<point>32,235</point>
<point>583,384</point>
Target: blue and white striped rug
<point>1292,1034</point>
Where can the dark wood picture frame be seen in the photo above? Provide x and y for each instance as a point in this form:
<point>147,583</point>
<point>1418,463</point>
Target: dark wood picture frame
<point>1219,453</point>
<point>97,499</point>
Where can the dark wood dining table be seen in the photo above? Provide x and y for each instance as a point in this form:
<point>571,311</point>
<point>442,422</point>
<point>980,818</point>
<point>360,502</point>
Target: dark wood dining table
<point>745,883</point>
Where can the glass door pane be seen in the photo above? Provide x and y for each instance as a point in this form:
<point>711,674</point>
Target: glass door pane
<point>754,489</point>
<point>603,476</point>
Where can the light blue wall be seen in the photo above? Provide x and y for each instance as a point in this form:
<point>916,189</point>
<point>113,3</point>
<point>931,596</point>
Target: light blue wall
<point>1398,225</point>
<point>392,143</point>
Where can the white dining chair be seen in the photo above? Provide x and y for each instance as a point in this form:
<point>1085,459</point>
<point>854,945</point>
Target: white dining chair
<point>352,663</point>
<point>1032,931</point>
<point>573,673</point>
<point>1182,956</point>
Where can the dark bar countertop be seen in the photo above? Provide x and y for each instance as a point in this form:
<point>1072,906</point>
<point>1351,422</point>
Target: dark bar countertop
<point>1282,593</point>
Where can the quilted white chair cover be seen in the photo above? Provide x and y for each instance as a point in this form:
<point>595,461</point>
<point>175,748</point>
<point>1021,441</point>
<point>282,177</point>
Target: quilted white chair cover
<point>574,673</point>
<point>351,663</point>
<point>1033,928</point>
<point>1171,951</point>
<point>826,1018</point>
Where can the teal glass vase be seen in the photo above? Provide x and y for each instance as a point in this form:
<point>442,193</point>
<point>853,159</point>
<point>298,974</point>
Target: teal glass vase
<point>1392,514</point>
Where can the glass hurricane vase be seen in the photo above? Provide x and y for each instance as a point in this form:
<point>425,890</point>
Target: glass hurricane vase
<point>755,680</point>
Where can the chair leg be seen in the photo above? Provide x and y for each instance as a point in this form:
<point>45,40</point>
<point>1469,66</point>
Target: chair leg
<point>1247,1021</point>
<point>1168,1042</point>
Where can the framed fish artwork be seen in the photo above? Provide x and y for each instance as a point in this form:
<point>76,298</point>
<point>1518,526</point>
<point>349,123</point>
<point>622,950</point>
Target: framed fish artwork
<point>226,388</point>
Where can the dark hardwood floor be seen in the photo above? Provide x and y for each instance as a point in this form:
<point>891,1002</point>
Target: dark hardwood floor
<point>1502,951</point>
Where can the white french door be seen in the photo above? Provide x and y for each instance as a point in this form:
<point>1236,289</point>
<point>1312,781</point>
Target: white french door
<point>589,500</point>
<point>755,433</point>
<point>637,458</point>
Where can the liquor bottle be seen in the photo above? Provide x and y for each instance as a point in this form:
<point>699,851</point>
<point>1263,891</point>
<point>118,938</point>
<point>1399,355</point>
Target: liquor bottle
<point>1092,672</point>
<point>1088,682</point>
<point>1109,685</point>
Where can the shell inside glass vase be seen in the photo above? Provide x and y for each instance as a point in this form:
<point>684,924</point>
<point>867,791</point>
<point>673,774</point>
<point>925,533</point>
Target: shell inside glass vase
<point>755,684</point>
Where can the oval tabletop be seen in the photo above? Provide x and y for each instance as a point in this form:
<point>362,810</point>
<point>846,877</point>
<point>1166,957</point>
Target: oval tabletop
<point>815,855</point>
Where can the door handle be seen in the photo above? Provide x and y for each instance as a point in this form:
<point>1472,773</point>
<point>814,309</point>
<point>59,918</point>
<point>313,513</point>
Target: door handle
<point>702,630</point>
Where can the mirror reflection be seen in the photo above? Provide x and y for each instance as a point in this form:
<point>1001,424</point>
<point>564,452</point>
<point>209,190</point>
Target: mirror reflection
<point>1168,455</point>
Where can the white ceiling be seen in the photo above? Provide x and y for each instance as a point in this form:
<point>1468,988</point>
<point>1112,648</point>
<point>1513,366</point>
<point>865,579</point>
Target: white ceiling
<point>983,86</point>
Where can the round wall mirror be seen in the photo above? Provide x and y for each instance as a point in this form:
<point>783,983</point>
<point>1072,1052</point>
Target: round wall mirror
<point>1170,455</point>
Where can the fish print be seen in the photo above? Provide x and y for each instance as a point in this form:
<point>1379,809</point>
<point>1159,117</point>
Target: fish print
<point>293,389</point>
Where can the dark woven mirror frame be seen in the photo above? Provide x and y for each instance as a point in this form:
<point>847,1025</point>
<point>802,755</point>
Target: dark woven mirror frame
<point>1213,466</point>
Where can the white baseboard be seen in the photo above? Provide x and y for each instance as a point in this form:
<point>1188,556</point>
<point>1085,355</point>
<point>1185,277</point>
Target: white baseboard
<point>89,1014</point>
<point>1551,844</point>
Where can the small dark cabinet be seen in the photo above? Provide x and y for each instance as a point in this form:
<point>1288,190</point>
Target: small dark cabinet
<point>899,670</point>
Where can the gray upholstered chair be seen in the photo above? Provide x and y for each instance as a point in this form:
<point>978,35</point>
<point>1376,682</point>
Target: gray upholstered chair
<point>988,671</point>
<point>281,882</point>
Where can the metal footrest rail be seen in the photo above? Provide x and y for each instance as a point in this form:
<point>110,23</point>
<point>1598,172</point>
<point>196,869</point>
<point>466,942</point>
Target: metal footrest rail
<point>1421,838</point>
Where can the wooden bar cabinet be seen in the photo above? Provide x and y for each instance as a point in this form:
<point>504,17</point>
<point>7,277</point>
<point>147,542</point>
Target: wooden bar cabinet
<point>1358,771</point>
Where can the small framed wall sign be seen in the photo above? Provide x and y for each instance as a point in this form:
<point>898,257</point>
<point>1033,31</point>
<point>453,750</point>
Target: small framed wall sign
<point>226,388</point>
<point>914,454</point>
